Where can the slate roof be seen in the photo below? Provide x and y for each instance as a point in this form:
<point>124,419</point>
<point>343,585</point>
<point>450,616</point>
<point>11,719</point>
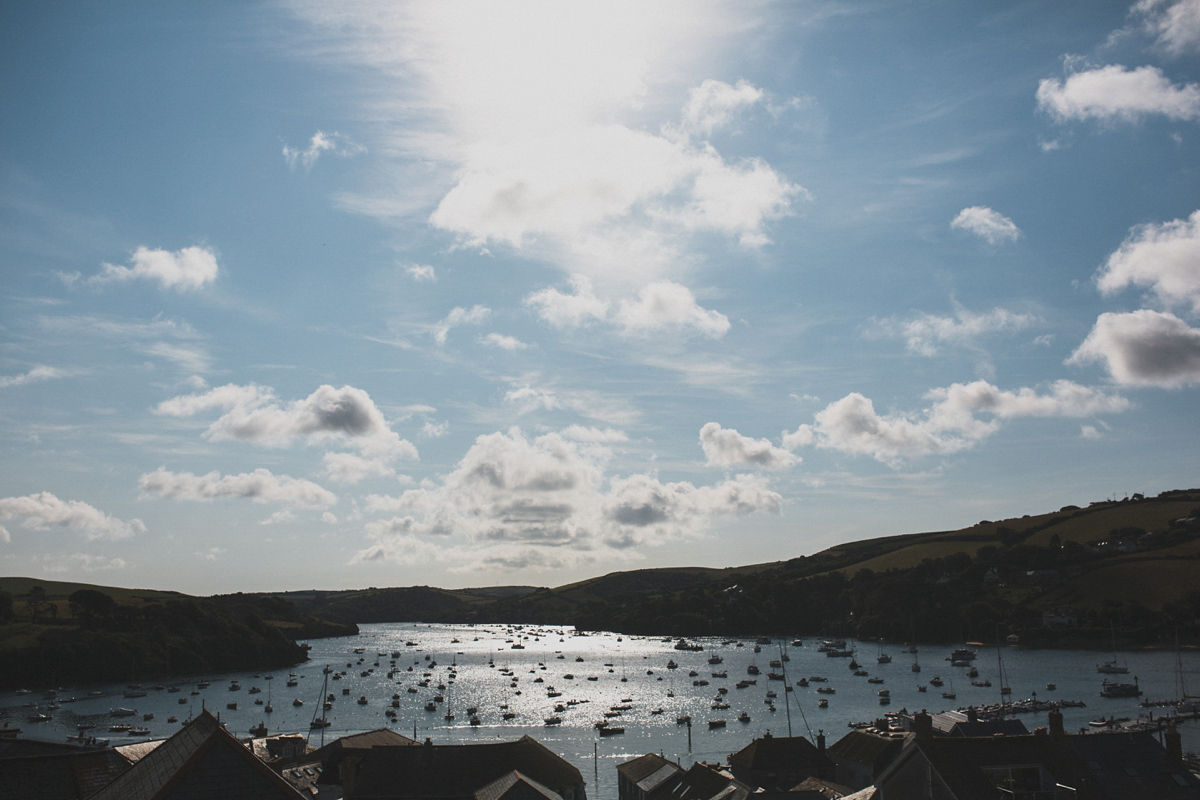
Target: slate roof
<point>650,771</point>
<point>1132,765</point>
<point>457,770</point>
<point>200,762</point>
<point>864,747</point>
<point>515,786</point>
<point>702,782</point>
<point>956,723</point>
<point>777,753</point>
<point>821,788</point>
<point>71,775</point>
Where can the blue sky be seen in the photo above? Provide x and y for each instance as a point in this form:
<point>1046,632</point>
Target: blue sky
<point>334,295</point>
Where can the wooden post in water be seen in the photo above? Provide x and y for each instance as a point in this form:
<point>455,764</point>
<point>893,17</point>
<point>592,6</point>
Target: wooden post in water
<point>689,734</point>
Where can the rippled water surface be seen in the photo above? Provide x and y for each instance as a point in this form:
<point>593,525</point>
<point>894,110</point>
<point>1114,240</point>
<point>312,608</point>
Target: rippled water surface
<point>489,667</point>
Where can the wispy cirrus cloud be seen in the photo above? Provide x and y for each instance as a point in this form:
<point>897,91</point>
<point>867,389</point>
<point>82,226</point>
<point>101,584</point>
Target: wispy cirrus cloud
<point>35,375</point>
<point>927,334</point>
<point>333,143</point>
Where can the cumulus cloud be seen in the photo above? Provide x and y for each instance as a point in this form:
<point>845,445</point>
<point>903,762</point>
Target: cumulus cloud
<point>666,305</point>
<point>252,413</point>
<point>713,103</point>
<point>35,375</point>
<point>1143,348</point>
<point>949,424</point>
<point>986,224</point>
<point>261,486</point>
<point>558,162</point>
<point>564,310</point>
<point>321,142</point>
<point>1116,93</point>
<point>583,433</point>
<point>1165,258</point>
<point>43,510</point>
<point>279,517</point>
<point>725,447</point>
<point>503,342</point>
<point>435,430</point>
<point>421,273</point>
<point>521,502</point>
<point>1175,24</point>
<point>187,269</point>
<point>926,334</point>
<point>475,315</point>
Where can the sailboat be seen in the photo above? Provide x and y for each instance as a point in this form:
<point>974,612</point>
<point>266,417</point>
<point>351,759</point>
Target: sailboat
<point>883,657</point>
<point>323,722</point>
<point>1112,667</point>
<point>269,708</point>
<point>950,695</point>
<point>1005,689</point>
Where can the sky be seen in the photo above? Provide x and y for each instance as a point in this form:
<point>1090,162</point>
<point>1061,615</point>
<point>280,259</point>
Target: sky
<point>332,295</point>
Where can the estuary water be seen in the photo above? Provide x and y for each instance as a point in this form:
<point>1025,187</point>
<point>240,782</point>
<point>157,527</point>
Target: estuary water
<point>508,674</point>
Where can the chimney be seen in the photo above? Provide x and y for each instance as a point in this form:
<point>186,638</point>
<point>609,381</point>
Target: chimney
<point>1174,744</point>
<point>923,725</point>
<point>1056,724</point>
<point>972,716</point>
<point>822,759</point>
<point>427,752</point>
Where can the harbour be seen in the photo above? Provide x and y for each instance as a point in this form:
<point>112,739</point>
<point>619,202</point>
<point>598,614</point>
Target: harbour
<point>600,698</point>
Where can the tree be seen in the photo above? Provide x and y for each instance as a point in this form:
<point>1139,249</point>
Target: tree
<point>35,601</point>
<point>89,604</point>
<point>6,607</point>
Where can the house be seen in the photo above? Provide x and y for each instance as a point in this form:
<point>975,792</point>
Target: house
<point>780,762</point>
<point>457,772</point>
<point>56,772</point>
<point>201,761</point>
<point>515,786</point>
<point>340,758</point>
<point>707,782</point>
<point>646,777</point>
<point>1057,766</point>
<point>958,723</point>
<point>861,756</point>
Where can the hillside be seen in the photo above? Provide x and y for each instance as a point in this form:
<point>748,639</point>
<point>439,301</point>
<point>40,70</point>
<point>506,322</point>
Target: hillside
<point>53,633</point>
<point>1126,564</point>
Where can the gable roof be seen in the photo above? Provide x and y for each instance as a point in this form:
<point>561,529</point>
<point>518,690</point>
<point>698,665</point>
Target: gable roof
<point>201,761</point>
<point>1132,765</point>
<point>458,770</point>
<point>872,749</point>
<point>515,786</point>
<point>703,782</point>
<point>776,753</point>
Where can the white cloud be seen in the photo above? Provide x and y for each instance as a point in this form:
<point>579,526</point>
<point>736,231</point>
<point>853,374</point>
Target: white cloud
<point>503,342</point>
<point>43,510</point>
<point>5,536</point>
<point>1143,348</point>
<point>987,224</point>
<point>187,269</point>
<point>421,273</point>
<point>666,305</point>
<point>1115,93</point>
<point>949,425</point>
<point>725,447</point>
<point>81,562</point>
<point>190,359</point>
<point>329,518</point>
<point>1175,25</point>
<point>713,103</point>
<point>555,162</point>
<point>581,433</point>
<point>260,486</point>
<point>521,502</point>
<point>475,315</point>
<point>925,334</point>
<point>1090,432</point>
<point>435,430</point>
<point>321,142</point>
<point>35,375</point>
<point>608,409</point>
<point>211,553</point>
<point>1164,257</point>
<point>253,413</point>
<point>569,310</point>
<point>352,468</point>
<point>279,517</point>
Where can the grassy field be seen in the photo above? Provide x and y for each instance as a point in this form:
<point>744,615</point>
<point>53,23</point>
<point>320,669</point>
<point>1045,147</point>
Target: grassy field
<point>1150,516</point>
<point>60,589</point>
<point>913,555</point>
<point>1151,582</point>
